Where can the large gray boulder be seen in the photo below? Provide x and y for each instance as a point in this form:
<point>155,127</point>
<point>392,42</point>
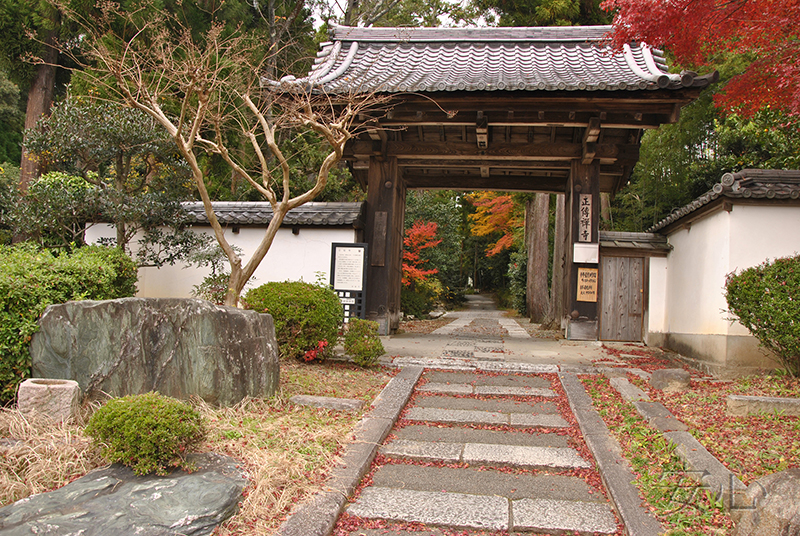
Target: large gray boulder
<point>178,347</point>
<point>771,506</point>
<point>115,502</point>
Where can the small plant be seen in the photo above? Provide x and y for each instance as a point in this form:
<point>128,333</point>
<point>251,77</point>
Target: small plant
<point>316,354</point>
<point>764,299</point>
<point>149,433</point>
<point>304,316</point>
<point>362,343</point>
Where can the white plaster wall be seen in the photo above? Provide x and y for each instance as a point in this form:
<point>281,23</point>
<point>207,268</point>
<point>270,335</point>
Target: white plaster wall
<point>657,296</point>
<point>759,233</point>
<point>291,257</point>
<point>696,275</point>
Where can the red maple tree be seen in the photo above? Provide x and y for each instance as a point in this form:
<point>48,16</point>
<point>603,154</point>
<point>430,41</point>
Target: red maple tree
<point>700,32</point>
<point>419,237</point>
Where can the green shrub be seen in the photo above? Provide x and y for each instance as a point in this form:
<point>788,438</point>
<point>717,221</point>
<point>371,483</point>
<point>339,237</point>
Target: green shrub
<point>31,279</point>
<point>361,342</point>
<point>149,433</point>
<point>306,316</point>
<point>766,300</point>
<point>414,303</point>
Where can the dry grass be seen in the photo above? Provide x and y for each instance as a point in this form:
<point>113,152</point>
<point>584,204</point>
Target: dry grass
<point>41,456</point>
<point>287,450</point>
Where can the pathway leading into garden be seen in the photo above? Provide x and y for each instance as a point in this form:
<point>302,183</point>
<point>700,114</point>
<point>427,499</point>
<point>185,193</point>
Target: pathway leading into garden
<point>497,435</point>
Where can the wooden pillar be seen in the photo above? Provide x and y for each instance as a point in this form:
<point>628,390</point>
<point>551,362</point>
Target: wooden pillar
<point>386,203</point>
<point>582,251</point>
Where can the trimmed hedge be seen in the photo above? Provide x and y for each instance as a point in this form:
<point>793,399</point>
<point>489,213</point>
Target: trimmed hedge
<point>149,433</point>
<point>31,279</point>
<point>766,300</point>
<point>305,315</point>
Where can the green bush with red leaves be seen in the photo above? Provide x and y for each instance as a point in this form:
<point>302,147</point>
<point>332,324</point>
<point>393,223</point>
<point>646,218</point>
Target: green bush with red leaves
<point>306,317</point>
<point>766,300</point>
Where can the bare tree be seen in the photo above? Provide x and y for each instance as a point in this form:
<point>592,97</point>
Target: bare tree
<point>206,91</point>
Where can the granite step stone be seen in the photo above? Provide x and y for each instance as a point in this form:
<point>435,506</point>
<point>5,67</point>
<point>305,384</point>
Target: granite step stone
<point>432,508</point>
<point>548,514</point>
<point>484,390</point>
<point>459,416</point>
<point>493,405</point>
<point>458,434</point>
<point>480,379</point>
<point>487,454</point>
<point>485,481</point>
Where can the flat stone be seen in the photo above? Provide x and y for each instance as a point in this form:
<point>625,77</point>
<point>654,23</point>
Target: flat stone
<point>671,380</point>
<point>704,468</point>
<point>629,392</point>
<point>519,456</point>
<point>514,381</point>
<point>439,376</point>
<point>447,388</point>
<point>456,416</point>
<point>534,420</point>
<point>659,417</point>
<point>488,356</point>
<point>393,398</point>
<point>741,405</point>
<point>513,391</point>
<point>494,405</point>
<point>328,402</point>
<point>458,434</point>
<point>115,502</point>
<point>385,532</point>
<point>424,450</point>
<point>639,372</point>
<point>431,507</point>
<point>485,481</point>
<point>525,368</point>
<point>548,514</point>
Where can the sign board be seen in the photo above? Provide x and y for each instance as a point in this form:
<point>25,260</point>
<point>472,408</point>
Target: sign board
<point>585,218</point>
<point>586,253</point>
<point>587,285</point>
<point>348,277</point>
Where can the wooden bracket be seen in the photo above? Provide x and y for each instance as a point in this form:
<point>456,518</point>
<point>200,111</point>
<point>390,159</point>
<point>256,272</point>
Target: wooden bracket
<point>482,131</point>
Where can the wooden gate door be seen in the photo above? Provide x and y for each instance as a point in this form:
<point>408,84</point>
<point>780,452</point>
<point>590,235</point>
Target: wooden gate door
<point>622,298</point>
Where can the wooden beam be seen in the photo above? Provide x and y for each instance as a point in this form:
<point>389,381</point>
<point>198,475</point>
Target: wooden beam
<point>608,153</point>
<point>501,183</point>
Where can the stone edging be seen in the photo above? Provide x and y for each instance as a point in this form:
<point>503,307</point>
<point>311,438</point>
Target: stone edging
<point>614,469</point>
<point>318,516</point>
<point>700,465</point>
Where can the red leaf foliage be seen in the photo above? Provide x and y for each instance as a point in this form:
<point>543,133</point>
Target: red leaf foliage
<point>418,238</point>
<point>699,32</point>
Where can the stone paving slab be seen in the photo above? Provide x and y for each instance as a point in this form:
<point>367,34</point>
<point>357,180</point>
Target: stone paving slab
<point>328,402</point>
<point>548,514</point>
<point>525,420</point>
<point>494,405</point>
<point>458,434</point>
<point>459,416</point>
<point>481,380</point>
<point>513,391</point>
<point>424,450</point>
<point>519,456</point>
<point>483,481</point>
<point>659,416</point>
<point>488,356</point>
<point>485,453</point>
<point>447,388</point>
<point>629,392</point>
<point>433,508</point>
<point>741,405</point>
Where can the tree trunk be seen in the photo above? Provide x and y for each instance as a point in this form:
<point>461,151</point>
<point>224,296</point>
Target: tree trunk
<point>556,310</point>
<point>605,211</point>
<point>537,224</point>
<point>40,98</point>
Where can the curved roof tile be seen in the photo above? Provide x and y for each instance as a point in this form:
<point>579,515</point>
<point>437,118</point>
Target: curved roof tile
<point>486,59</point>
<point>260,213</point>
<point>746,184</point>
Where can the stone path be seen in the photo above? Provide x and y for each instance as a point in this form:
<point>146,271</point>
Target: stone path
<point>484,452</point>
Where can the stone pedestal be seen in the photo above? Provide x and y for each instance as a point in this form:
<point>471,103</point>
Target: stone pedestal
<point>57,399</point>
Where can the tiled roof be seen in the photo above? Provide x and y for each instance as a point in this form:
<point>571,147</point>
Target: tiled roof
<point>746,184</point>
<point>486,59</point>
<point>642,241</point>
<point>260,213</point>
